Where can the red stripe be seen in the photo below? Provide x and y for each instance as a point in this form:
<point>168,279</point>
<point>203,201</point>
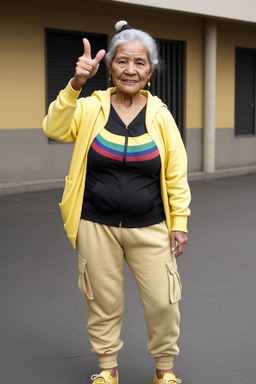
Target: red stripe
<point>149,156</point>
<point>105,153</point>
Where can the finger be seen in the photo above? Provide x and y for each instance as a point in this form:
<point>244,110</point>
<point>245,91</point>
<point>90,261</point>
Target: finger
<point>179,252</point>
<point>99,56</point>
<point>173,242</point>
<point>87,48</point>
<point>181,246</point>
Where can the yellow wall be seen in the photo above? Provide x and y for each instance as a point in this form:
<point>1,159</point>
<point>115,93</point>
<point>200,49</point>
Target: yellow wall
<point>230,36</point>
<point>22,66</point>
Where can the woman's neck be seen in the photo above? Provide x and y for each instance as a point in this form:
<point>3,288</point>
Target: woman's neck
<point>127,100</point>
<point>128,107</point>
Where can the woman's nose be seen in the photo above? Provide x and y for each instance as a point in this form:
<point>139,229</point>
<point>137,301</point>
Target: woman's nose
<point>130,69</point>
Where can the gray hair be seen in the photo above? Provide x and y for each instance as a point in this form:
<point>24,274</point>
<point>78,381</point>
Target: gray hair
<point>127,35</point>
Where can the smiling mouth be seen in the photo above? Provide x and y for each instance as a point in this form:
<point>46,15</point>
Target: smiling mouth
<point>130,81</point>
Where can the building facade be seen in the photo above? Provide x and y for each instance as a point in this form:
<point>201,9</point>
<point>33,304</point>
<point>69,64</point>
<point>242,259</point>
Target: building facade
<point>208,80</point>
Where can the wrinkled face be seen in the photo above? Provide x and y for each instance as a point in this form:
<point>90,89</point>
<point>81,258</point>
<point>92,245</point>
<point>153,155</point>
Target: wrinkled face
<point>130,67</point>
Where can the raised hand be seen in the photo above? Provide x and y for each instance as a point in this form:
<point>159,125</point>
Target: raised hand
<point>86,67</point>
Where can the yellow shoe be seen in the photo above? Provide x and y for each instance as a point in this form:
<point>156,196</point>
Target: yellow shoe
<point>167,378</point>
<point>104,377</point>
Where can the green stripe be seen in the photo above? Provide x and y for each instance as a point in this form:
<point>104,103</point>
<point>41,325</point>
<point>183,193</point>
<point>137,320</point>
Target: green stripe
<point>142,147</point>
<point>109,144</point>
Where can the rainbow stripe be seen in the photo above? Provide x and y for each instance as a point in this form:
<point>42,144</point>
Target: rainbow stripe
<point>140,148</point>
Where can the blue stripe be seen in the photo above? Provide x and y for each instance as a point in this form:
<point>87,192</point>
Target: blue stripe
<point>110,150</point>
<point>142,153</point>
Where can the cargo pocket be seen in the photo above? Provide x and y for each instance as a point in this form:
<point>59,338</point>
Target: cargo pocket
<point>175,286</point>
<point>84,283</point>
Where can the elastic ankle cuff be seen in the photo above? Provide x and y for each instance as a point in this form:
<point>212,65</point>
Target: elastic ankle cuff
<point>108,361</point>
<point>164,363</point>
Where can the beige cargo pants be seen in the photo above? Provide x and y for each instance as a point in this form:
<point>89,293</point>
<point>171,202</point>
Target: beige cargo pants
<point>102,250</point>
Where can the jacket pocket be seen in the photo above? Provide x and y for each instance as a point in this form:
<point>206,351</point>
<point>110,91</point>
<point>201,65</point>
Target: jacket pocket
<point>175,286</point>
<point>84,283</point>
<point>68,185</point>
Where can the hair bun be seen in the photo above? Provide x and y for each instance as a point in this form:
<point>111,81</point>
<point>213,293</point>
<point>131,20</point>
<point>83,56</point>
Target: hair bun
<point>119,25</point>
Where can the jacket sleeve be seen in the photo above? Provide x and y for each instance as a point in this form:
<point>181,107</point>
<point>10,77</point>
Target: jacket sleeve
<point>63,118</point>
<point>176,175</point>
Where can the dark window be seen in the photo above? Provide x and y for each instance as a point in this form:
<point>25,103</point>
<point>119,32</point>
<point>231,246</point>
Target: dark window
<point>62,51</point>
<point>167,83</point>
<point>245,92</point>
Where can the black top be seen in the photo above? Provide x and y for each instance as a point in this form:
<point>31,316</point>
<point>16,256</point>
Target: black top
<point>122,183</point>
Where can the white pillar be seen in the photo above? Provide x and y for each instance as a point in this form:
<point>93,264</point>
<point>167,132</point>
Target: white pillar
<point>209,95</point>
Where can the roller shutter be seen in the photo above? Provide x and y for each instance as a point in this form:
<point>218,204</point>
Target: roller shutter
<point>168,82</point>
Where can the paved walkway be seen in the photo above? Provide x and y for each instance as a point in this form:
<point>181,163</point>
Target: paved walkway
<point>43,316</point>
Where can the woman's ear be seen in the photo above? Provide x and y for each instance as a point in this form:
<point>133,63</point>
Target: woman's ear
<point>152,70</point>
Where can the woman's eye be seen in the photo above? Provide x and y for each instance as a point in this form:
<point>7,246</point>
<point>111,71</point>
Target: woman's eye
<point>140,63</point>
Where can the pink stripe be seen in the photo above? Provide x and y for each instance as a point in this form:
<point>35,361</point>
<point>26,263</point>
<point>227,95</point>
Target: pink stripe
<point>149,156</point>
<point>105,153</point>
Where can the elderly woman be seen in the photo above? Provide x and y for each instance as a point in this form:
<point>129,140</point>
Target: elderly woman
<point>126,196</point>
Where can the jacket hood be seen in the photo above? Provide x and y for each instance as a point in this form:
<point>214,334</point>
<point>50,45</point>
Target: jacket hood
<point>154,104</point>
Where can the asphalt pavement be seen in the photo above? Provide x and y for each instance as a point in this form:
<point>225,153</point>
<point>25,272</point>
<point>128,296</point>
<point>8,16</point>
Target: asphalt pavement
<point>43,315</point>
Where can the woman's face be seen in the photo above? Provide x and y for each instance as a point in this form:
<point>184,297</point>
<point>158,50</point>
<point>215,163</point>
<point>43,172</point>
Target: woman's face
<point>130,67</point>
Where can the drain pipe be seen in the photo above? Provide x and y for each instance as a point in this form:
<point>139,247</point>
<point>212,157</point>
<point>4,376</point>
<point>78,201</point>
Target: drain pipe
<point>209,131</point>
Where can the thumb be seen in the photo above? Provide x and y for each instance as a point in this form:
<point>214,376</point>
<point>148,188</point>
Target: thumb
<point>99,56</point>
<point>87,48</point>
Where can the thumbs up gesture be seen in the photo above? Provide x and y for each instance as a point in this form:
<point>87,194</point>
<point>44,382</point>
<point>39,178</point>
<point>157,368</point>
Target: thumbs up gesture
<point>86,67</point>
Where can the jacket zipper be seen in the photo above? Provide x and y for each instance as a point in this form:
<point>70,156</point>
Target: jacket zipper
<point>124,174</point>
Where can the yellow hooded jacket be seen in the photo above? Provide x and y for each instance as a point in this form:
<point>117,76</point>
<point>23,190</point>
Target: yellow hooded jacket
<point>71,119</point>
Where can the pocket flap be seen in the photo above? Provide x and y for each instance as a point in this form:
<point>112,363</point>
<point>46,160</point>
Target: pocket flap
<point>81,264</point>
<point>174,280</point>
<point>172,267</point>
<point>84,279</point>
